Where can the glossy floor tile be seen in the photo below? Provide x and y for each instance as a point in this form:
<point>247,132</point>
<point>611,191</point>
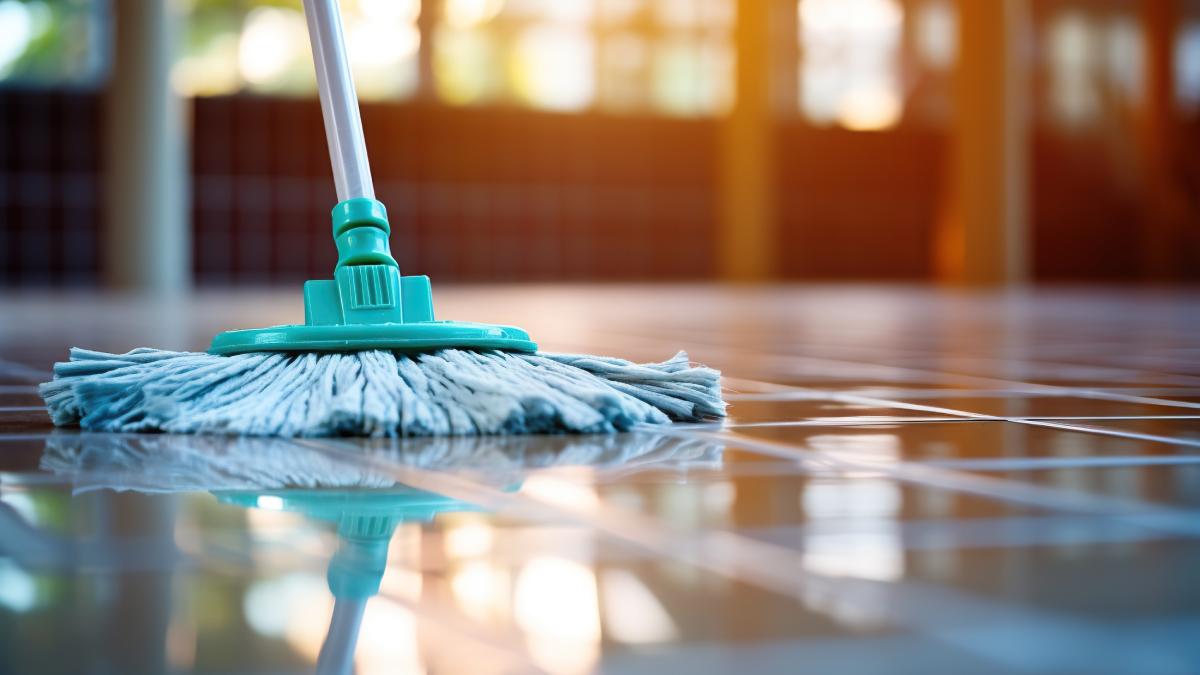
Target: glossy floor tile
<point>910,481</point>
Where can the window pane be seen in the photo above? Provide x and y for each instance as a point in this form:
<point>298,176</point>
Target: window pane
<point>263,47</point>
<point>1187,67</point>
<point>467,67</point>
<point>850,69</point>
<point>553,67</point>
<point>1095,63</point>
<point>670,56</point>
<point>53,43</point>
<point>1074,93</point>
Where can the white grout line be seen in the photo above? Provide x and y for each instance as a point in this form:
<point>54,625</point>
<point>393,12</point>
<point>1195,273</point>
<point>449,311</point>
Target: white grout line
<point>895,393</point>
<point>1108,417</point>
<point>1106,431</point>
<point>958,534</point>
<point>884,403</point>
<point>1040,463</point>
<point>975,464</point>
<point>821,394</point>
<point>846,422</point>
<point>1107,372</point>
<point>24,372</point>
<point>21,408</point>
<point>1142,400</point>
<point>18,389</point>
<point>851,421</point>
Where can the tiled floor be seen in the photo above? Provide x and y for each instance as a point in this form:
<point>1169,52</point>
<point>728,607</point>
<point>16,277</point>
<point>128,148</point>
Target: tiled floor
<point>911,481</point>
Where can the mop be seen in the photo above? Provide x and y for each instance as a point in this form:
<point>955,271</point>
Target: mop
<point>370,359</point>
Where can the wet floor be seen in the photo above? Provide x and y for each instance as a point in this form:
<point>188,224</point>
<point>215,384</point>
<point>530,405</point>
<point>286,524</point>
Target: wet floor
<point>910,481</point>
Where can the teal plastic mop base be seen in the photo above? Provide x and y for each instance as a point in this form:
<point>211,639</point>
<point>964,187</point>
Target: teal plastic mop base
<point>368,304</point>
<point>402,337</point>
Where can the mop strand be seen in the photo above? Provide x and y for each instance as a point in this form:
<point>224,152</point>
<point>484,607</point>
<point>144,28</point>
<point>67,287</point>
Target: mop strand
<point>375,393</point>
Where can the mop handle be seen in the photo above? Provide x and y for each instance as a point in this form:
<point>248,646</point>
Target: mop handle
<point>339,102</point>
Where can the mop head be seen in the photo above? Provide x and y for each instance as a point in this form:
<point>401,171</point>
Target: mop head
<point>375,393</point>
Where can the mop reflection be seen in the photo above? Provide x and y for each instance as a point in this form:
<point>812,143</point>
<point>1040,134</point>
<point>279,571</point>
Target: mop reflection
<point>553,600</point>
<point>365,520</point>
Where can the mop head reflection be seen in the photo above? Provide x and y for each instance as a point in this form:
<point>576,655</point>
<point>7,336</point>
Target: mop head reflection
<point>375,393</point>
<point>153,463</point>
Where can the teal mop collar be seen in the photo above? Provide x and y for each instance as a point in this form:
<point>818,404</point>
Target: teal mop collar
<point>368,304</point>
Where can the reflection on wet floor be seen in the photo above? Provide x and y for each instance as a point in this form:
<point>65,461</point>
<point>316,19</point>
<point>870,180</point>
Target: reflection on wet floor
<point>939,484</point>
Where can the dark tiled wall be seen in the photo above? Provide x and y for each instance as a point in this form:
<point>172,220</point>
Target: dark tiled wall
<point>49,193</point>
<point>481,195</point>
<point>473,195</point>
<point>1091,226</point>
<point>858,205</point>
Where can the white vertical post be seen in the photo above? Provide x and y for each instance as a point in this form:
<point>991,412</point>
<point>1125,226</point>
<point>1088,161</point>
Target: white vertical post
<point>147,235</point>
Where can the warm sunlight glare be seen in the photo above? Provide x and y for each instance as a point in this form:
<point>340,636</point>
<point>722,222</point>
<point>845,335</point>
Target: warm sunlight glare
<point>632,613</point>
<point>471,13</point>
<point>271,39</point>
<point>555,604</point>
<point>553,67</point>
<point>849,74</point>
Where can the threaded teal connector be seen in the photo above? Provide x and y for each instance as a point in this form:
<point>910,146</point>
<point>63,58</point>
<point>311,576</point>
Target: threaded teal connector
<point>361,230</point>
<point>368,304</point>
<point>360,212</point>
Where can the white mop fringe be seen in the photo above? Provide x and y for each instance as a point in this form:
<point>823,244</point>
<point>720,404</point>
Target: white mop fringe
<point>375,393</point>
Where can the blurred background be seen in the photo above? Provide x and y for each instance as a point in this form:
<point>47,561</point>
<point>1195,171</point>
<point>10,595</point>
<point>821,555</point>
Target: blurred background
<point>169,144</point>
